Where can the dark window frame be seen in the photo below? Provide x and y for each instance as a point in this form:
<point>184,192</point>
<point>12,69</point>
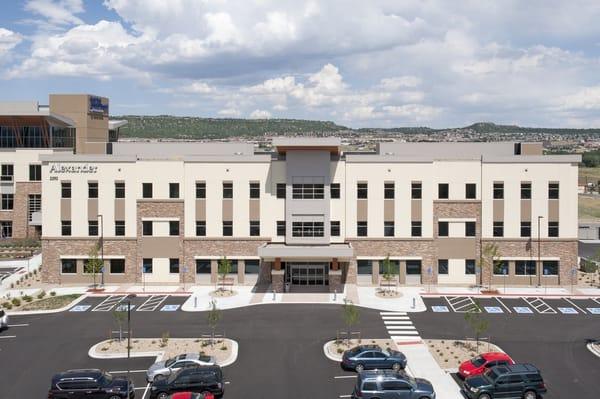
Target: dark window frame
<point>470,190</point>
<point>117,261</point>
<point>416,228</point>
<point>200,190</point>
<point>416,190</point>
<point>174,190</point>
<point>498,229</point>
<point>174,228</point>
<point>362,228</point>
<point>334,228</point>
<point>525,229</point>
<point>498,190</point>
<point>389,190</point>
<point>362,190</point>
<point>470,267</point>
<point>93,189</point>
<point>147,228</point>
<point>443,266</point>
<point>147,190</point>
<point>93,228</point>
<point>227,190</point>
<point>553,190</point>
<point>254,228</point>
<point>254,188</point>
<point>65,189</point>
<point>35,172</point>
<point>334,191</point>
<point>470,229</point>
<point>119,189</point>
<point>119,228</point>
<point>200,228</point>
<point>553,229</point>
<point>443,229</point>
<point>174,266</point>
<point>280,228</point>
<point>65,228</point>
<point>227,228</point>
<point>281,190</point>
<point>526,190</point>
<point>443,191</point>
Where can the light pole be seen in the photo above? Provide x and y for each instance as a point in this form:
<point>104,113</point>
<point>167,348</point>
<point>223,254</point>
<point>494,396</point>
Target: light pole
<point>129,297</point>
<point>539,263</point>
<point>102,247</point>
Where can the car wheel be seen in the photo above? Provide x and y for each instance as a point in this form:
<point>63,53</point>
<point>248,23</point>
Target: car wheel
<point>359,368</point>
<point>162,395</point>
<point>484,396</point>
<point>396,366</point>
<point>114,397</point>
<point>530,395</point>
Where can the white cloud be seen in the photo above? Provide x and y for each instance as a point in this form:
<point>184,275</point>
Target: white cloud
<point>400,82</point>
<point>585,99</point>
<point>362,113</point>
<point>412,112</point>
<point>59,12</point>
<point>260,114</point>
<point>230,113</point>
<point>8,40</point>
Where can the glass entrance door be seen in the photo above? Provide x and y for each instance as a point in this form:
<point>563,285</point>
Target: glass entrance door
<point>307,273</point>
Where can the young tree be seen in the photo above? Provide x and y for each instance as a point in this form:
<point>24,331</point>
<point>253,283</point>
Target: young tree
<point>93,265</point>
<point>224,269</point>
<point>490,260</point>
<point>351,317</point>
<point>389,272</point>
<point>476,320</point>
<point>213,317</point>
<point>120,316</point>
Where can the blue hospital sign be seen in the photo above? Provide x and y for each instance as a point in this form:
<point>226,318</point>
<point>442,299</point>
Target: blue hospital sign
<point>98,105</point>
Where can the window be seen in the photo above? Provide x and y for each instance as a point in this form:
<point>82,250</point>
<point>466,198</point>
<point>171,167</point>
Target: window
<point>251,266</point>
<point>119,227</point>
<point>147,227</point>
<point>525,229</point>
<point>388,229</point>
<point>92,227</point>
<point>68,266</point>
<point>92,189</point>
<point>364,266</point>
<point>470,229</point>
<point>173,190</point>
<point>442,229</point>
<point>203,266</point>
<point>6,229</point>
<point>413,267</point>
<point>34,205</point>
<point>335,228</point>
<point>147,265</point>
<point>470,191</point>
<point>8,201</point>
<point>281,227</point>
<point>173,227</point>
<point>200,190</point>
<point>35,172</point>
<point>308,191</point>
<point>65,227</point>
<point>200,228</point>
<point>443,191</point>
<point>227,229</point>
<point>469,266</point>
<point>525,268</point>
<point>388,191</point>
<point>552,190</point>
<point>254,190</point>
<point>552,229</point>
<point>65,189</point>
<point>335,190</point>
<point>117,266</point>
<point>362,190</point>
<point>308,229</point>
<point>394,267</point>
<point>525,190</point>
<point>147,190</point>
<point>395,386</point>
<point>8,172</point>
<point>415,229</point>
<point>119,189</point>
<point>501,268</point>
<point>227,190</point>
<point>173,265</point>
<point>361,229</point>
<point>498,190</point>
<point>498,229</point>
<point>550,268</point>
<point>442,266</point>
<point>416,190</point>
<point>280,190</point>
<point>254,228</point>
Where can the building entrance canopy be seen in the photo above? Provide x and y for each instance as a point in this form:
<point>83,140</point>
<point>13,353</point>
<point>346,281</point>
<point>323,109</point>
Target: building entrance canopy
<point>272,251</point>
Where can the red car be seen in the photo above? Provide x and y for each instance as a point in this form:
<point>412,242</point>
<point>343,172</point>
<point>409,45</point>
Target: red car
<point>191,395</point>
<point>481,363</point>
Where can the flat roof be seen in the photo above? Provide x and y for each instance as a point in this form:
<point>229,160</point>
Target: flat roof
<point>33,108</point>
<point>284,144</point>
<point>160,149</point>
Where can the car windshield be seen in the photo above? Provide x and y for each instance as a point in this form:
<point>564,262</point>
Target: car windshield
<point>386,352</point>
<point>170,362</point>
<point>1,313</point>
<point>478,361</point>
<point>105,379</point>
<point>491,375</point>
<point>204,358</point>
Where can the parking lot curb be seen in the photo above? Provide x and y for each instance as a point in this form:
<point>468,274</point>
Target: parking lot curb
<point>552,296</point>
<point>592,348</point>
<point>234,354</point>
<point>328,356</point>
<point>34,312</point>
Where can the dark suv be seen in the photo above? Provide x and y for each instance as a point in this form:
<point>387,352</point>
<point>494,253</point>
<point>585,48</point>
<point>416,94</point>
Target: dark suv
<point>194,379</point>
<point>89,383</point>
<point>512,381</point>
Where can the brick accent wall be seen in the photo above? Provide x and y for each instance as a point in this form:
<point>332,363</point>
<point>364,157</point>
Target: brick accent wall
<point>21,228</point>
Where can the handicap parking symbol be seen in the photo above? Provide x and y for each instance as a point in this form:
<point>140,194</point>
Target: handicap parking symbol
<point>493,309</point>
<point>594,310</point>
<point>440,309</point>
<point>123,307</point>
<point>523,309</point>
<point>80,308</point>
<point>567,310</point>
<point>169,308</point>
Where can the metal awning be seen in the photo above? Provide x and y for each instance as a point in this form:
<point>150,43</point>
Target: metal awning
<point>307,252</point>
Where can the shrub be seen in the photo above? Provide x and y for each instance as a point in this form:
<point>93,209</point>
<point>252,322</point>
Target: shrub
<point>224,348</point>
<point>16,302</point>
<point>27,298</point>
<point>41,294</point>
<point>164,339</point>
<point>588,266</point>
<point>7,305</point>
<point>52,293</point>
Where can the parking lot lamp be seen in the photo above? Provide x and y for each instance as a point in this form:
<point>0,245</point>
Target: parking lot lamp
<point>129,297</point>
<point>539,263</point>
<point>102,248</point>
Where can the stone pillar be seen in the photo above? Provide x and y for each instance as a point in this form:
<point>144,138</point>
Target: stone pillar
<point>214,271</point>
<point>188,273</point>
<point>375,272</point>
<point>241,271</point>
<point>351,271</point>
<point>402,272</point>
<point>277,282</point>
<point>277,264</point>
<point>335,281</point>
<point>334,264</point>
<point>264,272</point>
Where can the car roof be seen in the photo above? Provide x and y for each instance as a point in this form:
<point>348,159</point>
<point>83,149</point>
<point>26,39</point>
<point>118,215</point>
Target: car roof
<point>386,374</point>
<point>363,348</point>
<point>78,373</point>
<point>187,356</point>
<point>516,368</point>
<point>495,355</point>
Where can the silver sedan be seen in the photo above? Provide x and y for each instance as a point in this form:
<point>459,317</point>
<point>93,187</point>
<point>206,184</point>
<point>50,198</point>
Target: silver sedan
<point>166,367</point>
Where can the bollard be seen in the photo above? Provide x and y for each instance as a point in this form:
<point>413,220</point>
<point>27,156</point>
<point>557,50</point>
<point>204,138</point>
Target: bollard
<point>334,295</point>
<point>414,302</point>
<point>195,301</point>
<point>274,296</point>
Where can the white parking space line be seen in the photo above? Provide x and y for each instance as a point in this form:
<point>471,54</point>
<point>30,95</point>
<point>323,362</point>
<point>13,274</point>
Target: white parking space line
<point>597,300</point>
<point>337,377</point>
<point>503,305</point>
<point>7,336</point>
<point>146,391</point>
<point>539,305</point>
<point>109,303</point>
<point>577,307</point>
<point>18,325</point>
<point>395,318</point>
<point>345,396</point>
<point>461,304</point>
<point>152,303</point>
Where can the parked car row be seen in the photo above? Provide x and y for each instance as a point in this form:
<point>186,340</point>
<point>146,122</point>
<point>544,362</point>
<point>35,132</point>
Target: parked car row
<point>186,376</point>
<point>496,375</point>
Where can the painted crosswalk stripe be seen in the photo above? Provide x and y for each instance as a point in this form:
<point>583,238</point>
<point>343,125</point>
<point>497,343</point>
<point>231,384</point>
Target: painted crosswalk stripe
<point>396,318</point>
<point>109,303</point>
<point>392,313</point>
<point>406,333</point>
<point>390,329</point>
<point>391,322</point>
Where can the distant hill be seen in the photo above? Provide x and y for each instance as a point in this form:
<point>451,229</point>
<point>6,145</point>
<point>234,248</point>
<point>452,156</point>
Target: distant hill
<point>186,127</point>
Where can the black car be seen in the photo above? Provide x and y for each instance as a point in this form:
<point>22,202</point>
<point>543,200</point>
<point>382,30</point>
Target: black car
<point>89,383</point>
<point>365,357</point>
<point>511,381</point>
<point>193,379</point>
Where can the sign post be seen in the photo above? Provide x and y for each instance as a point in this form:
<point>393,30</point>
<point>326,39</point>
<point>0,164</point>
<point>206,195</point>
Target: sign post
<point>505,273</point>
<point>185,270</point>
<point>429,274</point>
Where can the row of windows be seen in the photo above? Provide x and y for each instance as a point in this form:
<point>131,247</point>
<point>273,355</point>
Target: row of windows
<point>69,266</point>
<point>6,229</point>
<point>553,190</point>
<point>362,230</point>
<point>522,267</point>
<point>498,229</point>
<point>365,266</point>
<point>443,229</point>
<point>8,172</point>
<point>35,137</point>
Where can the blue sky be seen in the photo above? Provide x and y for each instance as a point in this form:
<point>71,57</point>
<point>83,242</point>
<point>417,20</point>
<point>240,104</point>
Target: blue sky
<point>359,63</point>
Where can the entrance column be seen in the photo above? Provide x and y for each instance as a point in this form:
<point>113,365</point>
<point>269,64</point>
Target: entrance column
<point>277,276</point>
